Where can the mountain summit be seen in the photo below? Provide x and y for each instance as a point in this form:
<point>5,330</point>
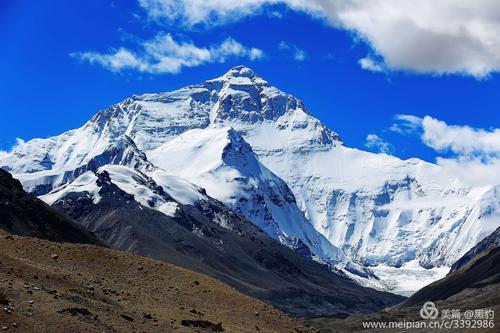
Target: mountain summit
<point>406,221</point>
<point>240,71</point>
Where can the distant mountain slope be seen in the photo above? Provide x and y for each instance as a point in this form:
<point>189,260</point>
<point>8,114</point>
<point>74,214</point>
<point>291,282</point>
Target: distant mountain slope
<point>96,289</point>
<point>482,270</point>
<point>23,214</point>
<point>478,268</point>
<point>487,243</point>
<point>117,204</point>
<point>473,286</point>
<point>478,298</point>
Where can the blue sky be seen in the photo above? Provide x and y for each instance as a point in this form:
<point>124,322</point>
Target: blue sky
<point>46,91</point>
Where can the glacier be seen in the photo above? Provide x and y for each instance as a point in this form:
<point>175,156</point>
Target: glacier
<point>261,152</point>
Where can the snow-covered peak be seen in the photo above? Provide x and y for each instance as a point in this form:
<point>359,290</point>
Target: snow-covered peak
<point>240,75</point>
<point>240,99</point>
<point>245,97</point>
<point>241,70</point>
<point>210,157</point>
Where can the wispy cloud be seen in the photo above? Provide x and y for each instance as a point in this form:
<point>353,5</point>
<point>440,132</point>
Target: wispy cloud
<point>374,142</point>
<point>163,54</point>
<point>473,170</point>
<point>406,124</point>
<point>425,36</point>
<point>297,53</point>
<point>425,203</point>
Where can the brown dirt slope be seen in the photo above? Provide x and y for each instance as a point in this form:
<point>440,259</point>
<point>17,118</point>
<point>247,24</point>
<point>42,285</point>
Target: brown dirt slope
<point>63,287</point>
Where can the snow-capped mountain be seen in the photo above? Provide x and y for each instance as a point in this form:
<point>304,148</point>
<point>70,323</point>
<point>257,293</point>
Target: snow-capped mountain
<point>396,216</point>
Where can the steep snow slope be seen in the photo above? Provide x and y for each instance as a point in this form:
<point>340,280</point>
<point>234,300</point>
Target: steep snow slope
<point>378,209</point>
<point>220,161</point>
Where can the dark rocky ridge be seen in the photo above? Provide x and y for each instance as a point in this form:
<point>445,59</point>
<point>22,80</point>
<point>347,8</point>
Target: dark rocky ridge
<point>25,215</point>
<point>487,243</point>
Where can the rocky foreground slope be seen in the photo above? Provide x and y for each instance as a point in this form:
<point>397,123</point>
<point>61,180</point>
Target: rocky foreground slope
<point>208,237</point>
<point>48,287</point>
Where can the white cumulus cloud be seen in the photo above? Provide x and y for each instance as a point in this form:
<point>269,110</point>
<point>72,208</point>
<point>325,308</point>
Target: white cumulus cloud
<point>475,151</point>
<point>371,65</point>
<point>421,36</point>
<point>462,140</point>
<point>163,54</point>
